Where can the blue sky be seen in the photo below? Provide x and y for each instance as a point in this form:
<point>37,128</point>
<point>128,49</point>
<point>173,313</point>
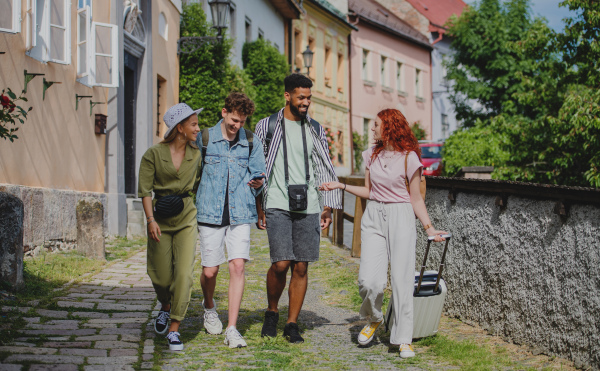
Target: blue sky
<point>548,9</point>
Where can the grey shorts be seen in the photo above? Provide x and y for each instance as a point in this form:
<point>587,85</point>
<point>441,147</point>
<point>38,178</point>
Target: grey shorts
<point>293,236</point>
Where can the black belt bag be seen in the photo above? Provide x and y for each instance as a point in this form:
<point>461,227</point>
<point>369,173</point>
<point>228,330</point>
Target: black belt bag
<point>169,206</point>
<point>297,193</point>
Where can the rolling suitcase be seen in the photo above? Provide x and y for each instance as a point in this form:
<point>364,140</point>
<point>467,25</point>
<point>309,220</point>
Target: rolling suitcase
<point>428,297</point>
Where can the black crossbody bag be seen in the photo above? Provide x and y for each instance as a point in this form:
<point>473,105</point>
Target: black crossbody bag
<point>168,206</point>
<point>297,193</point>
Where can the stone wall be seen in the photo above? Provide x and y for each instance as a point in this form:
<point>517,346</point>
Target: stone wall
<point>50,220</point>
<point>519,269</point>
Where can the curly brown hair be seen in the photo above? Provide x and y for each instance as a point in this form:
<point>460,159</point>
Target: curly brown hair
<point>240,103</point>
<point>396,132</point>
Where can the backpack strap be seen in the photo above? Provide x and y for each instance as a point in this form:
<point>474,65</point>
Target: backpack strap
<point>250,138</point>
<point>205,138</point>
<point>271,129</point>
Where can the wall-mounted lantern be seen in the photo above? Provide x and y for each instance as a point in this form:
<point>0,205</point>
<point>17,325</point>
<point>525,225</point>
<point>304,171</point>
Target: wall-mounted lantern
<point>220,15</point>
<point>307,56</point>
<point>100,127</point>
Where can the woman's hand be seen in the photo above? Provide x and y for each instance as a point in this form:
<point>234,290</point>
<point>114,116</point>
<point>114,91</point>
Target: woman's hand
<point>330,186</point>
<point>154,230</point>
<point>433,232</point>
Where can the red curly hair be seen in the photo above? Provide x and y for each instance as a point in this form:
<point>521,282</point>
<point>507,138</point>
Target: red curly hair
<point>396,132</point>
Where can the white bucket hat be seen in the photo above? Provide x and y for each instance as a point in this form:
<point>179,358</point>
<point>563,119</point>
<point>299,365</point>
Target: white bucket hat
<point>177,114</point>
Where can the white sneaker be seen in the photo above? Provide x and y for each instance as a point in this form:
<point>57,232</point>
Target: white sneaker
<point>234,339</point>
<point>174,342</point>
<point>406,351</point>
<point>212,323</point>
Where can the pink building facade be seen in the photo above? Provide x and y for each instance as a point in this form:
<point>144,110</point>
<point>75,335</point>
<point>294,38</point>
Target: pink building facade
<point>390,67</point>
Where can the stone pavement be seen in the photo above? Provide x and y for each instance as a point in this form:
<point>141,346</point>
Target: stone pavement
<point>99,325</point>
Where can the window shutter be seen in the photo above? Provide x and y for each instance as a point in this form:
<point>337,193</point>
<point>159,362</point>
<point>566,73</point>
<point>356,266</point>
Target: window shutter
<point>31,24</point>
<point>59,36</point>
<point>104,64</point>
<point>83,44</point>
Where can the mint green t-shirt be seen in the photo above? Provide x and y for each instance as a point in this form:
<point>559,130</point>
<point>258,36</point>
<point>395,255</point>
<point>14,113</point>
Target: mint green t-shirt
<point>277,197</point>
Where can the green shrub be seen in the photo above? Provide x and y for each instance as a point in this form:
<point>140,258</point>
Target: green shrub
<point>266,67</point>
<point>206,75</point>
<point>359,144</point>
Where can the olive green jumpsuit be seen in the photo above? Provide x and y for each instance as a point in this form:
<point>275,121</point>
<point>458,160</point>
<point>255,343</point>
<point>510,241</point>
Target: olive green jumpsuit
<point>171,261</point>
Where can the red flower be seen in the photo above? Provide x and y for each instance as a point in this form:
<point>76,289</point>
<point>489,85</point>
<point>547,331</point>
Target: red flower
<point>4,99</point>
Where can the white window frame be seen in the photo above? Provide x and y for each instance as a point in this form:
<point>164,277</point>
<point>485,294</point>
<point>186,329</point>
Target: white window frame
<point>16,18</point>
<point>83,76</point>
<point>41,29</point>
<point>400,76</point>
<point>114,55</point>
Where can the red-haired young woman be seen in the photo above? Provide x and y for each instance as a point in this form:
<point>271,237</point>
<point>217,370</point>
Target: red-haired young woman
<point>388,226</point>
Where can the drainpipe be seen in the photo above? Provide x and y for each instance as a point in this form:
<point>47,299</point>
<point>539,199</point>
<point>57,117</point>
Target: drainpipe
<point>290,51</point>
<point>350,91</point>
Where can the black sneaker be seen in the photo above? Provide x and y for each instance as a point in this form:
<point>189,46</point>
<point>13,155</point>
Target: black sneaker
<point>174,342</point>
<point>161,322</point>
<point>270,325</point>
<point>292,333</point>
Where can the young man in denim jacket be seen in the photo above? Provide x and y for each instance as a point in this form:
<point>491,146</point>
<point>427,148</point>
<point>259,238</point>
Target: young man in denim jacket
<point>231,179</point>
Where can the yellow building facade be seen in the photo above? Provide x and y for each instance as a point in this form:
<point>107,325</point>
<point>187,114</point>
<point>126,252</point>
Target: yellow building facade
<point>324,29</point>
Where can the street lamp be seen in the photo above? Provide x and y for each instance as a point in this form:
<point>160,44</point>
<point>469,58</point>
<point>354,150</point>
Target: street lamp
<point>220,15</point>
<point>307,56</point>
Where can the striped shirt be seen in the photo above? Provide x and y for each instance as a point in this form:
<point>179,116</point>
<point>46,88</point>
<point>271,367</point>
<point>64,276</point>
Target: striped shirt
<point>322,166</point>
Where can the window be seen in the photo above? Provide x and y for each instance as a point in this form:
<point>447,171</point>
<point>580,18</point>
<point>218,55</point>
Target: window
<point>104,56</point>
<point>418,83</point>
<point>399,78</point>
<point>161,101</point>
<point>51,39</point>
<point>231,29</point>
<point>261,34</point>
<point>445,126</point>
<point>248,30</point>
<point>328,66</point>
<point>340,74</point>
<point>384,77</point>
<point>298,61</point>
<point>366,131</point>
<point>163,27</point>
<point>10,16</point>
<point>276,46</point>
<point>365,65</point>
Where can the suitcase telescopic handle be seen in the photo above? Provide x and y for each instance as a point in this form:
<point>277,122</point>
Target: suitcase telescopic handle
<point>437,282</point>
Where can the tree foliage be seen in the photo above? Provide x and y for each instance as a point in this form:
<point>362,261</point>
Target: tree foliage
<point>538,94</point>
<point>206,75</point>
<point>267,68</point>
<point>10,113</point>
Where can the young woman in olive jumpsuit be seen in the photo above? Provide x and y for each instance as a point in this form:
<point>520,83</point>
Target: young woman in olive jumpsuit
<point>168,168</point>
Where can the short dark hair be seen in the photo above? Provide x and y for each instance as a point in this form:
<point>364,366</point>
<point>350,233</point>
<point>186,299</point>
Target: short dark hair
<point>240,103</point>
<point>296,80</point>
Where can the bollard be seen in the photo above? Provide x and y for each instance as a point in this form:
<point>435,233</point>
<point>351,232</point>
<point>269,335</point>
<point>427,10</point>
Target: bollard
<point>90,228</point>
<point>11,240</point>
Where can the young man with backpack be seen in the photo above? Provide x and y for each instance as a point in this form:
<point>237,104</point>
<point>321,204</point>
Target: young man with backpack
<point>233,171</point>
<point>293,210</point>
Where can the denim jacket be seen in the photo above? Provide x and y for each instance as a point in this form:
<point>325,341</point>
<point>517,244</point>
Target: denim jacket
<point>221,161</point>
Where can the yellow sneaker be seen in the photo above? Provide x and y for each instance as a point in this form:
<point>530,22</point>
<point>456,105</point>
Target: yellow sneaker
<point>366,334</point>
<point>406,351</point>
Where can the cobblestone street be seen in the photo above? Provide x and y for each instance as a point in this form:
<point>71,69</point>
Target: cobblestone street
<point>104,322</point>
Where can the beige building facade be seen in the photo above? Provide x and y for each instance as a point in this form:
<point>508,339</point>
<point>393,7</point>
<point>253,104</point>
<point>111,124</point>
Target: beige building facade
<point>324,29</point>
<point>93,60</point>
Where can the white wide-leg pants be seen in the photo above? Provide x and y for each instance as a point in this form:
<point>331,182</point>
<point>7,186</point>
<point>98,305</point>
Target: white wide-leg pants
<point>389,234</point>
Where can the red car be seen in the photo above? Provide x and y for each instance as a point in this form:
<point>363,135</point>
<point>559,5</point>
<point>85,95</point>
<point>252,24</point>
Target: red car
<point>431,157</point>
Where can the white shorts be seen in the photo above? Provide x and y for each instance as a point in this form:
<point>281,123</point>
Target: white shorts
<point>214,239</point>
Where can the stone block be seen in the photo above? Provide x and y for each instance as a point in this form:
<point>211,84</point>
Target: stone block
<point>108,368</point>
<point>54,368</point>
<point>90,228</point>
<point>10,367</point>
<point>83,352</point>
<point>11,240</point>
<point>124,352</point>
<point>35,358</point>
<point>114,345</point>
<point>124,360</point>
